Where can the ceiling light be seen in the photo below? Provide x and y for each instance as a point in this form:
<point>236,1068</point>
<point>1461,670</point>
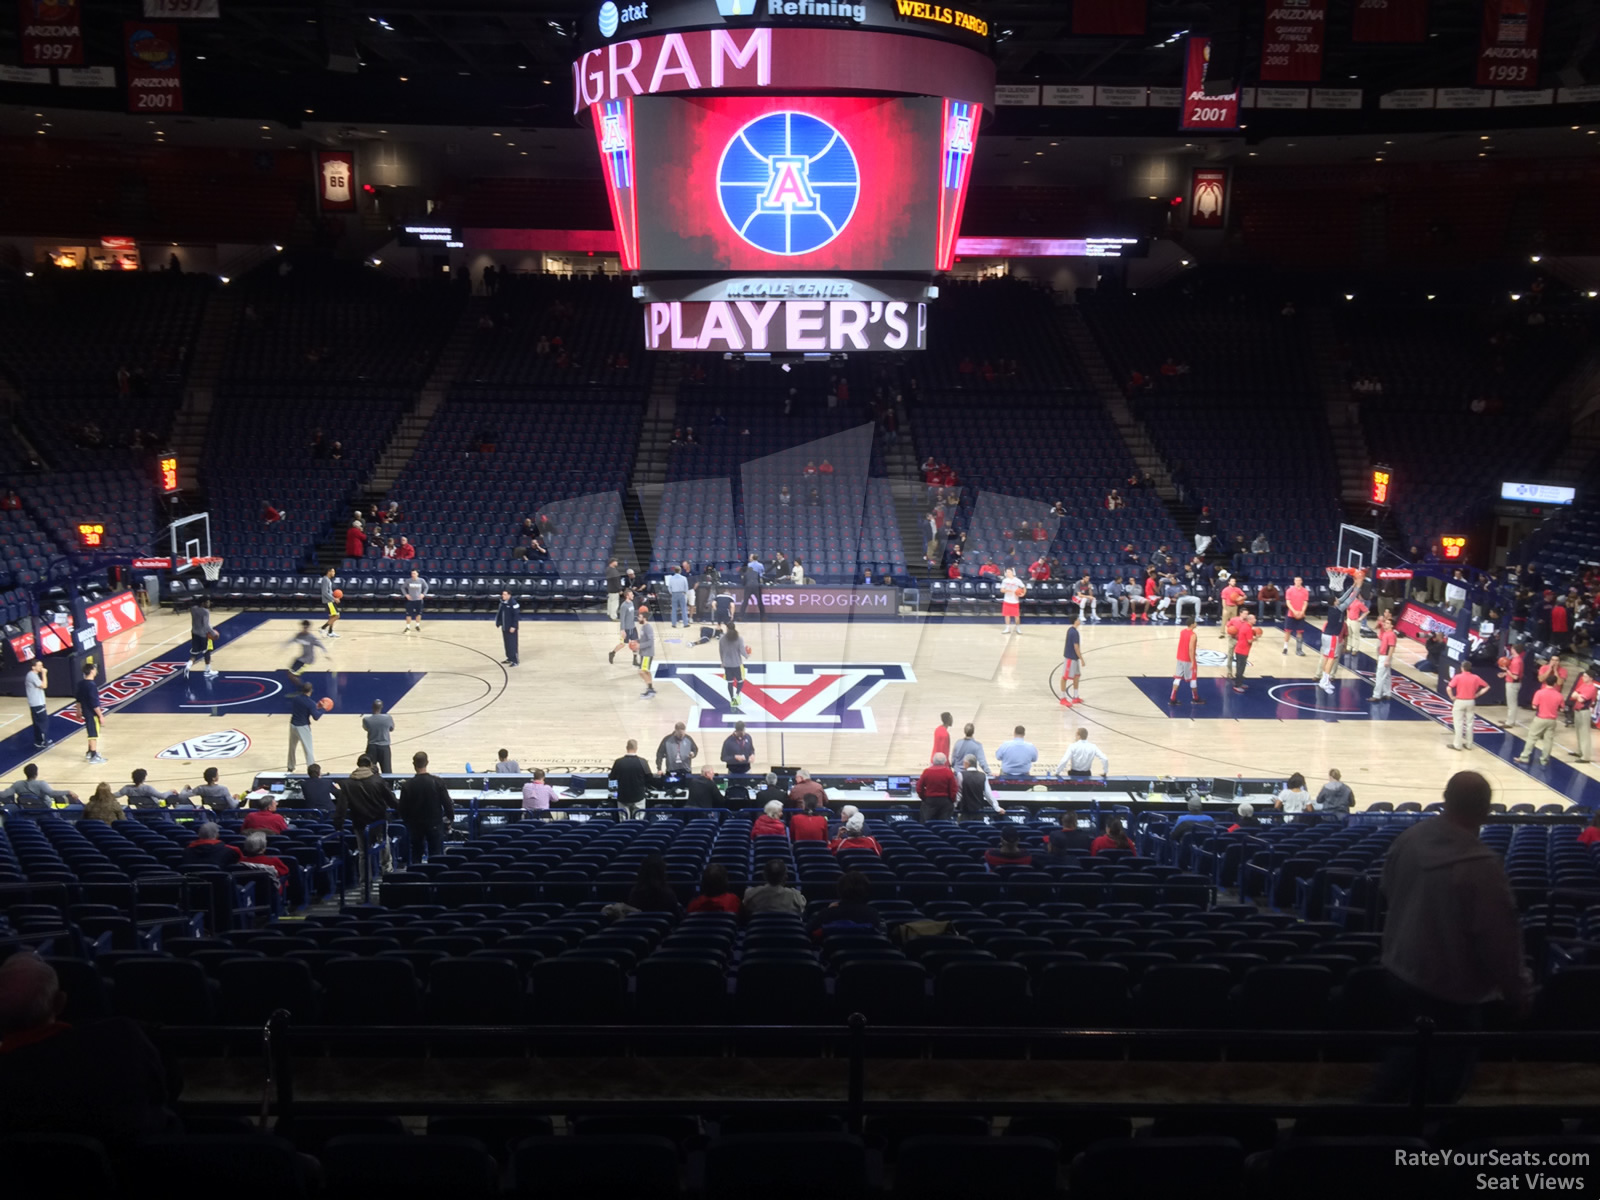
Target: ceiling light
<point>405,79</point>
<point>524,153</point>
<point>1155,197</point>
<point>377,262</point>
<point>1592,295</point>
<point>311,110</point>
<point>522,66</point>
<point>1535,257</point>
<point>1483,137</point>
<point>224,279</point>
<point>39,131</point>
<point>277,247</point>
<point>1040,154</point>
<point>1183,262</point>
<point>1575,128</point>
<point>266,127</point>
<point>1516,295</point>
<point>1252,154</point>
<point>29,275</point>
<point>1481,154</point>
<point>494,135</point>
<point>1430,295</point>
<point>1349,295</point>
<point>201,57</point>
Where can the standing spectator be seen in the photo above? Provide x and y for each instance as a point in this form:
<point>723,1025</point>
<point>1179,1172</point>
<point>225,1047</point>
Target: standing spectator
<point>355,541</point>
<point>365,799</point>
<point>774,894</point>
<point>750,587</point>
<point>1335,799</point>
<point>1205,531</point>
<point>937,788</point>
<point>537,795</point>
<point>380,731</point>
<point>89,708</point>
<point>805,786</point>
<point>1452,938</point>
<point>1464,688</point>
<point>714,894</point>
<point>33,688</point>
<point>810,824</point>
<point>1016,757</point>
<point>976,797</point>
<point>425,807</point>
<point>302,711</point>
<point>632,776</point>
<point>737,750</point>
<point>941,738</point>
<point>1080,758</point>
<point>770,822</point>
<point>613,588</point>
<point>678,594</point>
<point>967,744</point>
<point>677,751</point>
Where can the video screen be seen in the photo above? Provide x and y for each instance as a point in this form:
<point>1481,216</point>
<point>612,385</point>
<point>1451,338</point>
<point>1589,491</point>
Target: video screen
<point>765,183</point>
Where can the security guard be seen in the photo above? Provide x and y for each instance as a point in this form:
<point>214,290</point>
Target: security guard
<point>505,621</point>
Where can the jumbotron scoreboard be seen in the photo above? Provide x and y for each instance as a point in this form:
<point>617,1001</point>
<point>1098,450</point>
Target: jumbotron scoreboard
<point>786,177</point>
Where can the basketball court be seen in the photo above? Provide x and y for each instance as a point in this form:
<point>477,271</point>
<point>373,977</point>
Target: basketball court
<point>835,696</point>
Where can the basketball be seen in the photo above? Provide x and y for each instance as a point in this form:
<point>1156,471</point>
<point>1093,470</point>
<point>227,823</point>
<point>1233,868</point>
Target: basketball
<point>338,593</point>
<point>325,704</point>
<point>633,645</point>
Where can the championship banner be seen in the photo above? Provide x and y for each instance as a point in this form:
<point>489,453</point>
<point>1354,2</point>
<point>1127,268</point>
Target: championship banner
<point>1201,111</point>
<point>1390,21</point>
<point>52,33</point>
<point>1508,50</point>
<point>1110,18</point>
<point>155,75</point>
<point>1208,198</point>
<point>336,181</point>
<point>1292,41</point>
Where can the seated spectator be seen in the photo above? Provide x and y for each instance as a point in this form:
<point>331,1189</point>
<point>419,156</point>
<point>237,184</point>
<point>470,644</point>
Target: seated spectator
<point>1068,838</point>
<point>1114,838</point>
<point>537,795</point>
<point>770,822</point>
<point>1591,831</point>
<point>825,468</point>
<point>140,794</point>
<point>1039,571</point>
<point>405,550</point>
<point>650,891</point>
<point>1114,500</point>
<point>391,512</point>
<point>805,786</point>
<point>811,823</point>
<point>714,894</point>
<point>853,837</point>
<point>208,849</point>
<point>103,806</point>
<point>1246,813</point>
<point>1195,816</point>
<point>1293,799</point>
<point>774,894</point>
<point>315,791</point>
<point>703,790</point>
<point>32,792</point>
<point>784,496</point>
<point>11,502</point>
<point>265,817</point>
<point>255,851</point>
<point>852,912</point>
<point>270,513</point>
<point>770,791</point>
<point>1009,853</point>
<point>209,794</point>
<point>505,764</point>
<point>102,1079</point>
<point>810,469</point>
<point>1336,798</point>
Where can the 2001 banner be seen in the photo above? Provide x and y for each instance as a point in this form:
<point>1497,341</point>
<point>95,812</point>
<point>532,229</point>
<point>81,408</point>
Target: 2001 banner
<point>155,75</point>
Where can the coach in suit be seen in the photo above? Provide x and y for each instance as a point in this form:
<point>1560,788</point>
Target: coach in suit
<point>506,621</point>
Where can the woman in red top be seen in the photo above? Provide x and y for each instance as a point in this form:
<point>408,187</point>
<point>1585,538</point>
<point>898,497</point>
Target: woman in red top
<point>355,541</point>
<point>1591,832</point>
<point>714,894</point>
<point>255,851</point>
<point>852,837</point>
<point>1114,838</point>
<point>810,825</point>
<point>770,822</point>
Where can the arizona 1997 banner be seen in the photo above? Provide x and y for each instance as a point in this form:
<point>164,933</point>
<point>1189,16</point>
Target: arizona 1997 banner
<point>52,33</point>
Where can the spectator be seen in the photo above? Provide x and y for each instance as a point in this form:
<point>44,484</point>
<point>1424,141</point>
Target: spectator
<point>537,795</point>
<point>703,791</point>
<point>770,822</point>
<point>1246,813</point>
<point>811,823</point>
<point>426,808</point>
<point>366,799</point>
<point>632,776</point>
<point>379,728</point>
<point>505,764</point>
<point>32,792</point>
<point>967,744</point>
<point>270,513</point>
<point>937,788</point>
<point>140,794</point>
<point>1452,940</point>
<point>1195,816</point>
<point>1293,799</point>
<point>405,550</point>
<point>676,751</point>
<point>1016,757</point>
<point>805,786</point>
<point>355,541</point>
<point>207,849</point>
<point>852,912</point>
<point>101,1079</point>
<point>1114,500</point>
<point>1589,836</point>
<point>103,805</point>
<point>1205,531</point>
<point>976,797</point>
<point>255,851</point>
<point>1080,758</point>
<point>941,738</point>
<point>784,496</point>
<point>265,817</point>
<point>650,891</point>
<point>1335,799</point>
<point>1260,545</point>
<point>1114,838</point>
<point>1009,853</point>
<point>737,750</point>
<point>714,894</point>
<point>210,794</point>
<point>317,792</point>
<point>774,894</point>
<point>1069,839</point>
<point>853,837</point>
<point>770,791</point>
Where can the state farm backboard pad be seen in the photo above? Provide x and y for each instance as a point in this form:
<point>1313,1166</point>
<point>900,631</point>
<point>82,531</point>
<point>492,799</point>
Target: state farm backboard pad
<point>763,183</point>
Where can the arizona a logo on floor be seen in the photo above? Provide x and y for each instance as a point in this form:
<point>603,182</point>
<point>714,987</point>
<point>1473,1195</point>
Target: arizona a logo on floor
<point>790,696</point>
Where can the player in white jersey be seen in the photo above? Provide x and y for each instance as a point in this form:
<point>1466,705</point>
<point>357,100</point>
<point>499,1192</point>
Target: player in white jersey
<point>1012,590</point>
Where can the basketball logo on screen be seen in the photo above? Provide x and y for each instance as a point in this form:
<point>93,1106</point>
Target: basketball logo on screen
<point>788,183</point>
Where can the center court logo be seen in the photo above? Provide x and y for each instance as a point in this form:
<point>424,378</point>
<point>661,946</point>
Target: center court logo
<point>822,697</point>
<point>224,743</point>
<point>788,183</point>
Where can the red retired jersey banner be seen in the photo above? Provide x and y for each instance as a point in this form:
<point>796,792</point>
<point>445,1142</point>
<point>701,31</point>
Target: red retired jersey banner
<point>1208,198</point>
<point>1390,21</point>
<point>1292,41</point>
<point>336,181</point>
<point>155,77</point>
<point>1119,18</point>
<point>1508,52</point>
<point>52,33</point>
<point>1201,111</point>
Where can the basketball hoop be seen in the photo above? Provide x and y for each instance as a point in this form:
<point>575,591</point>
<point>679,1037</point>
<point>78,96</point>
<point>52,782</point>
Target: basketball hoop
<point>1340,578</point>
<point>211,568</point>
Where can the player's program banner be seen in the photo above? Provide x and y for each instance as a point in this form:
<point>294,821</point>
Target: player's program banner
<point>1292,41</point>
<point>1390,21</point>
<point>1508,48</point>
<point>1201,111</point>
<point>155,74</point>
<point>52,33</point>
<point>785,326</point>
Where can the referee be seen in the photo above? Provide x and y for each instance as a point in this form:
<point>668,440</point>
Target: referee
<point>88,696</point>
<point>505,621</point>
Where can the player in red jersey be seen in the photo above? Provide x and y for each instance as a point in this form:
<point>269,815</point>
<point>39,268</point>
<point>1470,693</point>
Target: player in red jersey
<point>1232,598</point>
<point>1295,599</point>
<point>1382,685</point>
<point>1247,633</point>
<point>1188,640</point>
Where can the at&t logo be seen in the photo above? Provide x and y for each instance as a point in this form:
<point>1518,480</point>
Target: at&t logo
<point>611,16</point>
<point>788,183</point>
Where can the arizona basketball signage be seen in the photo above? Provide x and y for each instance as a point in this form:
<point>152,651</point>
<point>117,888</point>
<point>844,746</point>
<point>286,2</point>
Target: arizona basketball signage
<point>788,183</point>
<point>780,326</point>
<point>793,697</point>
<point>1202,111</point>
<point>1208,198</point>
<point>336,181</point>
<point>155,76</point>
<point>52,33</point>
<point>1508,48</point>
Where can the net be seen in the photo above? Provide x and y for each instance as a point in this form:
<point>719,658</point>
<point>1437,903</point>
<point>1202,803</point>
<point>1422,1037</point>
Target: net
<point>211,568</point>
<point>1339,579</point>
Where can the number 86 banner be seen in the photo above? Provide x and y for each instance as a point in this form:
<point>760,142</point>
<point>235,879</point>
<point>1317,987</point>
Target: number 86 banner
<point>155,74</point>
